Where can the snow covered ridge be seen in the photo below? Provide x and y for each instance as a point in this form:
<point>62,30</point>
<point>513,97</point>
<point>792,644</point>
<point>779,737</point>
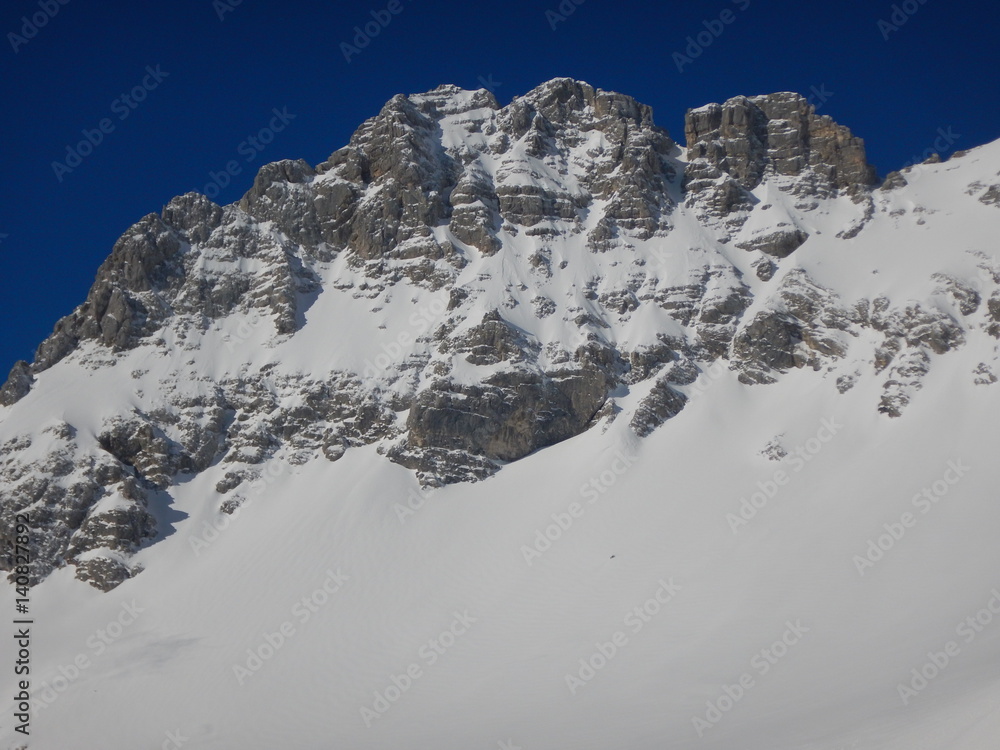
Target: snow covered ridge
<point>464,284</point>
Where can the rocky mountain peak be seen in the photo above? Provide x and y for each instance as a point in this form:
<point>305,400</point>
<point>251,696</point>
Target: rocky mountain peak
<point>451,100</point>
<point>564,101</point>
<point>463,284</point>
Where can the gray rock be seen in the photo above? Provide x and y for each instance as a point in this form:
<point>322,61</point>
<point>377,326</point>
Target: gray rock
<point>126,301</point>
<point>993,312</point>
<point>764,269</point>
<point>18,384</point>
<point>745,136</point>
<point>778,244</point>
<point>104,573</point>
<point>984,375</point>
<point>662,403</point>
<point>991,197</point>
<point>144,447</point>
<point>510,413</point>
<point>316,216</point>
<point>193,216</point>
<point>967,298</point>
<point>893,181</point>
<point>904,380</point>
<point>766,344</point>
<point>475,216</point>
<point>62,492</point>
<point>509,416</point>
<point>804,327</point>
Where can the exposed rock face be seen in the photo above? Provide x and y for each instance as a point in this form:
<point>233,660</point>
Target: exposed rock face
<point>806,325</point>
<point>991,197</point>
<point>712,304</point>
<point>18,384</point>
<point>86,508</point>
<point>510,276</point>
<point>892,181</point>
<point>473,428</point>
<point>662,403</point>
<point>153,278</point>
<point>965,296</point>
<point>744,137</point>
<point>508,416</point>
<point>311,215</point>
<point>778,244</point>
<point>475,216</point>
<point>994,315</point>
<point>767,343</point>
<point>124,303</point>
<point>734,147</point>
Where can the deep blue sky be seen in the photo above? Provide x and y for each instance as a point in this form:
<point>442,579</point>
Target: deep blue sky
<point>938,70</point>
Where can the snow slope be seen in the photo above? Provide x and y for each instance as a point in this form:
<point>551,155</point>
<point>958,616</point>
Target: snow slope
<point>664,518</point>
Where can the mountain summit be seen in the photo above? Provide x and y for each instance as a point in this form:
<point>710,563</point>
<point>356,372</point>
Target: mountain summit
<point>464,284</point>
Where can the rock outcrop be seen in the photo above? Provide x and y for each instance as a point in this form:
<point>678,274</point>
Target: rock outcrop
<point>747,137</point>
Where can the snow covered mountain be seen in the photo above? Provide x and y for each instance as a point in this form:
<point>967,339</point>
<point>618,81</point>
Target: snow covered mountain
<point>410,448</point>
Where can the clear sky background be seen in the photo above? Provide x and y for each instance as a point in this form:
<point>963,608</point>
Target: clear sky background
<point>229,64</point>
